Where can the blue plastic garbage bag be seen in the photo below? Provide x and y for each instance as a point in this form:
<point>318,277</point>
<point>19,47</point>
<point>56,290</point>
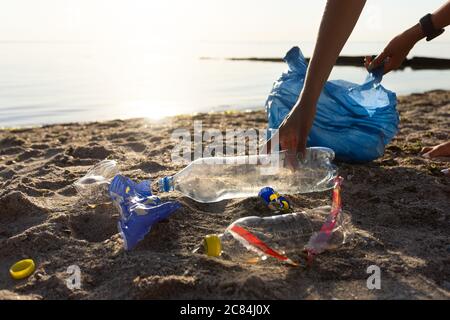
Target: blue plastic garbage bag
<point>139,209</point>
<point>356,121</point>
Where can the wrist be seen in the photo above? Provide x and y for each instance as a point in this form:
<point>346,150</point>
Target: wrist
<point>414,34</point>
<point>430,27</point>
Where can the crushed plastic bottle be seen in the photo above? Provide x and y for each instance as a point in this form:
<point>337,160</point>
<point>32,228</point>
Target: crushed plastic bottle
<point>281,237</point>
<point>218,178</point>
<point>93,187</point>
<point>139,209</point>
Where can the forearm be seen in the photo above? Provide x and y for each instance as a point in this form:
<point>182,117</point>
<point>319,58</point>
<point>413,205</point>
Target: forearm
<point>440,19</point>
<point>338,21</point>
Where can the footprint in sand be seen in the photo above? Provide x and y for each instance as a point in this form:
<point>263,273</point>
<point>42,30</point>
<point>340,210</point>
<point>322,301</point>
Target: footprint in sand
<point>158,287</point>
<point>51,184</point>
<point>11,150</point>
<point>6,173</point>
<point>29,154</point>
<point>31,191</point>
<point>11,141</point>
<point>53,151</point>
<point>40,146</point>
<point>153,152</point>
<point>150,166</point>
<point>18,213</point>
<point>121,136</point>
<point>96,225</point>
<point>135,146</point>
<point>91,152</point>
<point>68,191</point>
<point>155,139</point>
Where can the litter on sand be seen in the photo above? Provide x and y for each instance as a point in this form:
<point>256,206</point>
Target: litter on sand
<point>249,239</point>
<point>274,200</point>
<point>219,178</point>
<point>139,210</point>
<point>282,237</point>
<point>22,269</point>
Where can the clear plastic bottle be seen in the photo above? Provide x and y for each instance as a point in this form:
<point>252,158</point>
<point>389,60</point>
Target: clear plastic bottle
<point>93,187</point>
<point>218,178</point>
<point>287,238</point>
<point>251,239</point>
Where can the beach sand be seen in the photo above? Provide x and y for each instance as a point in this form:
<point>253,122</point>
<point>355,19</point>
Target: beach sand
<point>399,207</point>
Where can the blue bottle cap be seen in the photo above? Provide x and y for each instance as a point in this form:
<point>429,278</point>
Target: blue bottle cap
<point>166,184</point>
<point>274,200</point>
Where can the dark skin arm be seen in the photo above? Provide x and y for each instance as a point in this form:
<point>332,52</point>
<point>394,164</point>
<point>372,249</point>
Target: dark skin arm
<point>399,47</point>
<point>397,50</point>
<point>338,21</point>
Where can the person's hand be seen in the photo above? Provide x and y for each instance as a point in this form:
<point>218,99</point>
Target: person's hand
<point>396,51</point>
<point>441,150</point>
<point>293,131</point>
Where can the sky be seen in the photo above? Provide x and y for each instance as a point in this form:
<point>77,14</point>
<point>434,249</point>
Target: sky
<point>196,20</point>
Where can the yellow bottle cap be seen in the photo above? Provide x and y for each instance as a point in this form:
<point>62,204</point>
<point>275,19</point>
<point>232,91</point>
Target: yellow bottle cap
<point>212,245</point>
<point>22,269</point>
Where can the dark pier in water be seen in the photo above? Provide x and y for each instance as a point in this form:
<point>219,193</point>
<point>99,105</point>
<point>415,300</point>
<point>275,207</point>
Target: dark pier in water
<point>416,63</point>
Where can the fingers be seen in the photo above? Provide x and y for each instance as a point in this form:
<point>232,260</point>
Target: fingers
<point>291,161</point>
<point>425,150</point>
<point>367,61</point>
<point>375,63</point>
<point>445,146</point>
<point>294,153</point>
<point>301,148</point>
<point>266,147</point>
<point>442,150</point>
<point>426,155</point>
<point>437,152</point>
<point>270,144</point>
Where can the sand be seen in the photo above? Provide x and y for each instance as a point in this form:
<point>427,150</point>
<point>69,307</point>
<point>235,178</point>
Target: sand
<point>399,207</point>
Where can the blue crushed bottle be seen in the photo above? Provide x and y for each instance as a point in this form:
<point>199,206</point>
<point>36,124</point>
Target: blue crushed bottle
<point>139,209</point>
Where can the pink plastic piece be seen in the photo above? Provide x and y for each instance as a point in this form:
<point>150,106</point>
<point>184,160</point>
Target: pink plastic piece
<point>319,241</point>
